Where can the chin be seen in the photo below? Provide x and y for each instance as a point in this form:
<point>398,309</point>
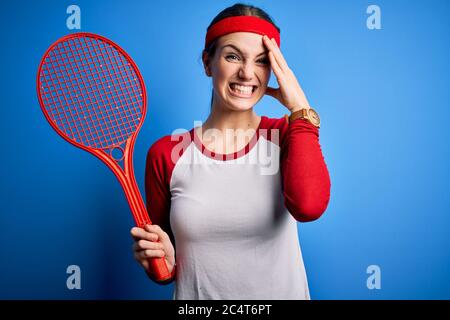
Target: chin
<point>240,105</point>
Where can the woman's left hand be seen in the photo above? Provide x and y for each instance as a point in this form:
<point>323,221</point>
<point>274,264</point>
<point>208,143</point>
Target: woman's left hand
<point>290,94</point>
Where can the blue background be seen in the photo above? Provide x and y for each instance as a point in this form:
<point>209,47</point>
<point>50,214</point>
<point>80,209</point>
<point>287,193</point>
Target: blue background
<point>384,103</point>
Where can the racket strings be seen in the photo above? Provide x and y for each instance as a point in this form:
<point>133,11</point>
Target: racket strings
<point>91,92</point>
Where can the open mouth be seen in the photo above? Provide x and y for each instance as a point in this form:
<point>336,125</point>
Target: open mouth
<point>242,91</point>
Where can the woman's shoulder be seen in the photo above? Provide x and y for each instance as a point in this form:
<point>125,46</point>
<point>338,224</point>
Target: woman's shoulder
<point>163,147</point>
<point>273,122</point>
<point>273,129</point>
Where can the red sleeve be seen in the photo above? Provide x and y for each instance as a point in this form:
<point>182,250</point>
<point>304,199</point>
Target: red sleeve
<point>305,178</point>
<point>158,172</point>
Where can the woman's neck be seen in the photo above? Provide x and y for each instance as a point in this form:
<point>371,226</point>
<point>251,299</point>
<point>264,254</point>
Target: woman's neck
<point>227,131</point>
<point>229,119</point>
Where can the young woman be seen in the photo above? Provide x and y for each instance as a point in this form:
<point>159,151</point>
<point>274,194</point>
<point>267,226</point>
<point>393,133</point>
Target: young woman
<point>230,206</point>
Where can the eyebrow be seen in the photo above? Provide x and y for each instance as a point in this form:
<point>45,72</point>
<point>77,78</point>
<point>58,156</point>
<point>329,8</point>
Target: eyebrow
<point>238,50</point>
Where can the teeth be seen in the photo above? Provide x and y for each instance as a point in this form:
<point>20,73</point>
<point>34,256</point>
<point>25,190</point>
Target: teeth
<point>242,89</point>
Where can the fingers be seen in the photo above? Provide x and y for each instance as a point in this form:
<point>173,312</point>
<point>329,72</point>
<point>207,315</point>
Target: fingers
<point>276,52</point>
<point>146,254</point>
<point>275,66</point>
<point>279,56</point>
<point>145,249</point>
<point>153,228</point>
<point>151,241</point>
<point>139,233</point>
<point>273,61</point>
<point>165,240</point>
<point>144,245</point>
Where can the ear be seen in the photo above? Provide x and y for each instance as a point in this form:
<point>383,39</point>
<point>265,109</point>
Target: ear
<point>205,58</point>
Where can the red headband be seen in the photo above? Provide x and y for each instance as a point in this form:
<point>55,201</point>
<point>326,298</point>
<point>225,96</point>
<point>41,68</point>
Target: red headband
<point>241,24</point>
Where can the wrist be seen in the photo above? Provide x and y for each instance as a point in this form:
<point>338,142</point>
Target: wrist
<point>308,114</point>
<point>295,109</point>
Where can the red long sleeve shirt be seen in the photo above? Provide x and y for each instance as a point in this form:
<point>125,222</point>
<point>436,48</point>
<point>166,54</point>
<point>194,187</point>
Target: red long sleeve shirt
<point>227,214</point>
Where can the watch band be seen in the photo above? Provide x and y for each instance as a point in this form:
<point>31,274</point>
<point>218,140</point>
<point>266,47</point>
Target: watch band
<point>308,114</point>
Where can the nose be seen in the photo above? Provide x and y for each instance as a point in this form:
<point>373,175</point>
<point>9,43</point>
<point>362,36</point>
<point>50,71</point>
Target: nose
<point>246,71</point>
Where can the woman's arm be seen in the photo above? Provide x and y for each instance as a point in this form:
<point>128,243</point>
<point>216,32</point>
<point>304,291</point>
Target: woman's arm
<point>157,190</point>
<point>305,178</point>
<point>306,182</point>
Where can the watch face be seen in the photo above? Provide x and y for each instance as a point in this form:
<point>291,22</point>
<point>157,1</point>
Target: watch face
<point>313,116</point>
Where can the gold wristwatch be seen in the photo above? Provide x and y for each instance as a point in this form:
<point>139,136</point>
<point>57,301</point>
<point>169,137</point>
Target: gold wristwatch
<point>305,113</point>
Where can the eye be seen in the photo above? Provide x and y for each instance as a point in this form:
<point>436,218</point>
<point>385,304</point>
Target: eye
<point>232,56</point>
<point>264,61</point>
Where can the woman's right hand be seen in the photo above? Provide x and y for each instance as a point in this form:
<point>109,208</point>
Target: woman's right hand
<point>146,246</point>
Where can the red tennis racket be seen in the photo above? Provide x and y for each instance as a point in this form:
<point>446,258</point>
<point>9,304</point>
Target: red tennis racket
<point>93,95</point>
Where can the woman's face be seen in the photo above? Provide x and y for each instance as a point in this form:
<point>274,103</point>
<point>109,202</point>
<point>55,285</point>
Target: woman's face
<point>240,69</point>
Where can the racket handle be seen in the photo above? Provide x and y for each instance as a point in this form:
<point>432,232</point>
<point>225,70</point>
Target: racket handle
<point>158,266</point>
<point>159,269</point>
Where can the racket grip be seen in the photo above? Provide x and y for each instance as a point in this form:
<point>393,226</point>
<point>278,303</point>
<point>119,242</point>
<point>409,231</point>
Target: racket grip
<point>159,269</point>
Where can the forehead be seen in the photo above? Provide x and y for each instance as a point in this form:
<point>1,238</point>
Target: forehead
<point>248,42</point>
